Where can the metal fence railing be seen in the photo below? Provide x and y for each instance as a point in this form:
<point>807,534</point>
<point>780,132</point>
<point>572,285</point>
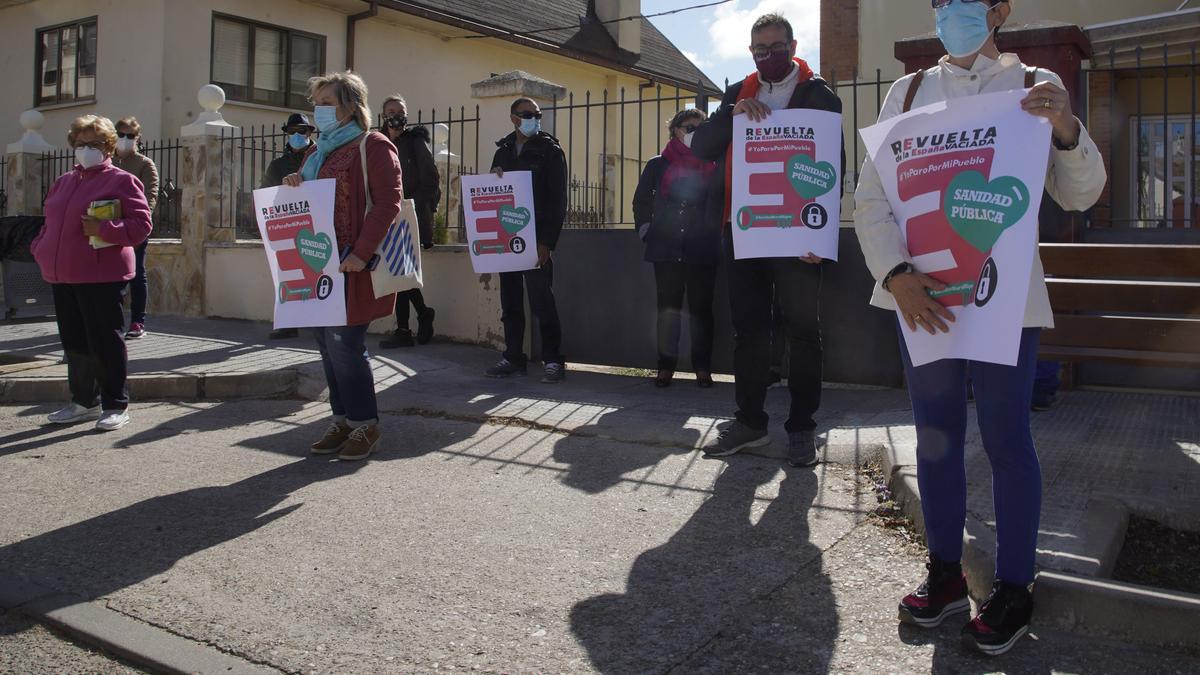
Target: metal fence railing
<point>3,184</point>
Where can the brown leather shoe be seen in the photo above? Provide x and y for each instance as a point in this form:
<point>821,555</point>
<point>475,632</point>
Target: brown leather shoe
<point>362,442</point>
<point>333,440</point>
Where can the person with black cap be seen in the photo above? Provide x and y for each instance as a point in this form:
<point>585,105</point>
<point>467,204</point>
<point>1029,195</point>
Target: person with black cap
<point>299,137</point>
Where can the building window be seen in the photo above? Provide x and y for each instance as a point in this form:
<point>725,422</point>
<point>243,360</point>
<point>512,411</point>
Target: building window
<point>66,63</point>
<point>259,63</point>
<point>1166,189</point>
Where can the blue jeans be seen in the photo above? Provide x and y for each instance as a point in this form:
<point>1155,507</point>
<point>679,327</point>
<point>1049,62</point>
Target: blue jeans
<point>348,374</point>
<point>1046,380</point>
<point>1002,397</point>
<point>138,287</point>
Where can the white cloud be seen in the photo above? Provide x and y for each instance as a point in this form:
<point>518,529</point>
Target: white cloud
<point>729,29</point>
<point>695,58</point>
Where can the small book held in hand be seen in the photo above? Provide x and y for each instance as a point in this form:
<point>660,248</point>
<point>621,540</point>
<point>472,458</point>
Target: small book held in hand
<point>104,209</point>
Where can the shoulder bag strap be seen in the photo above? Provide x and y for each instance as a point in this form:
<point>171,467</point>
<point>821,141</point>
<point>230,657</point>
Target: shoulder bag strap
<point>362,155</point>
<point>1030,77</point>
<point>911,94</point>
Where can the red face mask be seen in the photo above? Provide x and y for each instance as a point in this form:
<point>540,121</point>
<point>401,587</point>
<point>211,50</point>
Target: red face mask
<point>775,67</point>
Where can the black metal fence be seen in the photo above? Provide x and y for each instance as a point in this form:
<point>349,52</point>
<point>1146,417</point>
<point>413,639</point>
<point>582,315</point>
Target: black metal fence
<point>862,99</point>
<point>3,184</point>
<point>166,157</point>
<point>246,156</point>
<point>1143,115</point>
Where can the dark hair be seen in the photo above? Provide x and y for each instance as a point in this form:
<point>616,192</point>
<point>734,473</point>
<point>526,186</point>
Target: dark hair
<point>683,116</point>
<point>772,20</point>
<point>512,109</point>
<point>130,123</point>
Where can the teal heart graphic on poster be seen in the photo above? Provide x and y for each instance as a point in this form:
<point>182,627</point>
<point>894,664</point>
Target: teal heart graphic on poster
<point>513,220</point>
<point>810,178</point>
<point>314,249</point>
<point>980,211</point>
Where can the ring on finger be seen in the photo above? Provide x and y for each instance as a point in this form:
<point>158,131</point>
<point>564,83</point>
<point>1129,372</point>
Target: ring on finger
<point>1046,103</point>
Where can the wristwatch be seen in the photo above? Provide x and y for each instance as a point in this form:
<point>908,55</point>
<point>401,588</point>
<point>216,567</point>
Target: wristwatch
<point>1065,148</point>
<point>902,268</point>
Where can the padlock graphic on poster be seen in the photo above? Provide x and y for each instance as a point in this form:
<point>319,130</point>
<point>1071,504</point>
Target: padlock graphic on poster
<point>814,216</point>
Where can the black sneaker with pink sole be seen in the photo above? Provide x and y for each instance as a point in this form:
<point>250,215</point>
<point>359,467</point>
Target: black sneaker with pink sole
<point>1003,619</point>
<point>942,594</point>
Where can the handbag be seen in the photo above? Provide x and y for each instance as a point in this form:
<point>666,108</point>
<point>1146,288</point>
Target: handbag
<point>399,266</point>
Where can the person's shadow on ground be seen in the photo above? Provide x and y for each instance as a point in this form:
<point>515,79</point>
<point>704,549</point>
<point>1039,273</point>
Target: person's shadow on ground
<point>596,464</point>
<point>688,597</point>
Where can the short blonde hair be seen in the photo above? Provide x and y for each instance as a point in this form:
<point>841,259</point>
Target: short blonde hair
<point>101,126</point>
<point>350,90</point>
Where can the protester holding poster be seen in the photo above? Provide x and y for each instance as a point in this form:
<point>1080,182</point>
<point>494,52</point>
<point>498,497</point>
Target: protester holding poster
<point>528,148</point>
<point>781,81</point>
<point>342,116</point>
<point>1075,178</point>
<point>673,195</point>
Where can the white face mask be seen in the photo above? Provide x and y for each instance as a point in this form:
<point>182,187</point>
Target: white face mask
<point>88,157</point>
<point>126,145</point>
<point>687,138</point>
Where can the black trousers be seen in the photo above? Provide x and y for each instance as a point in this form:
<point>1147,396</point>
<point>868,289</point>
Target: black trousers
<point>402,301</point>
<point>699,283</point>
<point>541,300</point>
<point>91,320</point>
<point>797,286</point>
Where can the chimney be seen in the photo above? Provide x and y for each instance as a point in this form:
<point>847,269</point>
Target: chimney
<point>628,34</point>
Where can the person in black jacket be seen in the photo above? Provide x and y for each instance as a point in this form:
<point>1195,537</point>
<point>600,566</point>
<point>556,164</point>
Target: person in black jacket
<point>529,148</point>
<point>781,81</point>
<point>669,206</point>
<point>299,136</point>
<point>423,185</point>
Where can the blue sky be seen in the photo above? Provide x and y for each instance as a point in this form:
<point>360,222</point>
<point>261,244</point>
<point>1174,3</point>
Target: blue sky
<point>715,38</point>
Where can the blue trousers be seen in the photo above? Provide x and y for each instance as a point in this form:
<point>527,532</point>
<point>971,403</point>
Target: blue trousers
<point>138,287</point>
<point>1002,397</point>
<point>348,374</point>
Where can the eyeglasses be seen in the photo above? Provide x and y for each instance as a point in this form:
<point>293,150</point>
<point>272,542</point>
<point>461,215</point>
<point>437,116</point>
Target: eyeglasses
<point>762,51</point>
<point>689,128</point>
<point>529,115</point>
<point>939,4</point>
<point>95,145</point>
<point>297,130</point>
<point>121,134</point>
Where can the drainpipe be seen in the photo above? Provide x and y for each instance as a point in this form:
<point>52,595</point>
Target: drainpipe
<point>350,21</point>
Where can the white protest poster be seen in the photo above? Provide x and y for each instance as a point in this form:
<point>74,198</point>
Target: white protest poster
<point>296,225</point>
<point>964,179</point>
<point>500,221</point>
<point>786,199</point>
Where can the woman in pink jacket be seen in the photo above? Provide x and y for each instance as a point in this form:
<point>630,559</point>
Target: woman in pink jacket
<point>88,261</point>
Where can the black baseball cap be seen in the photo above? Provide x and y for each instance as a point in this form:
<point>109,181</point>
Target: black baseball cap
<point>298,120</point>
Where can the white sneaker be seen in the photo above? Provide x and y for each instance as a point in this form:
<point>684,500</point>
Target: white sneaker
<point>73,413</point>
<point>112,420</point>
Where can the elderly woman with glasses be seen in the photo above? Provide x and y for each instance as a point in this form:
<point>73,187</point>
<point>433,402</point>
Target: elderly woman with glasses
<point>670,206</point>
<point>1075,178</point>
<point>96,214</point>
<point>366,202</point>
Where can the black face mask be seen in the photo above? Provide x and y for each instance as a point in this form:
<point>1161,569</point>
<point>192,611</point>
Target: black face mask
<point>397,122</point>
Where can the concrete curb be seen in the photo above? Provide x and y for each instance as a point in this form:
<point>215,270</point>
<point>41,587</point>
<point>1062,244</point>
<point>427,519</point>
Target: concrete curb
<point>1074,602</point>
<point>163,386</point>
<point>139,643</point>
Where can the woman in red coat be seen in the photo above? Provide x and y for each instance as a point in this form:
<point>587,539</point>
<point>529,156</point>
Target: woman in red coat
<point>342,116</point>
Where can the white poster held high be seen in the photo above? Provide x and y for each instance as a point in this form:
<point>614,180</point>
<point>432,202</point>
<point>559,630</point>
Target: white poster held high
<point>964,179</point>
<point>786,198</point>
<point>296,225</point>
<point>501,225</point>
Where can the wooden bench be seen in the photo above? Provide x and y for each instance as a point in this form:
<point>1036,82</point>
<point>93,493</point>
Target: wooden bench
<point>1123,303</point>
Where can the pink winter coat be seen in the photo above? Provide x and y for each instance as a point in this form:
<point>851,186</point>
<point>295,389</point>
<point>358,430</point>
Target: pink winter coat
<point>62,249</point>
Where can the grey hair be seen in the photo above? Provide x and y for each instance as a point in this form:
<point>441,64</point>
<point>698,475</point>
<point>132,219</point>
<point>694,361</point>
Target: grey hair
<point>350,90</point>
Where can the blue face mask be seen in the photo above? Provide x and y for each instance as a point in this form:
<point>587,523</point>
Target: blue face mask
<point>325,117</point>
<point>963,27</point>
<point>530,127</point>
<point>298,141</point>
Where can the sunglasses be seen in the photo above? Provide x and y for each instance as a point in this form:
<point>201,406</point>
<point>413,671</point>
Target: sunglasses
<point>297,130</point>
<point>527,115</point>
<point>763,51</point>
<point>121,134</point>
<point>689,128</point>
<point>939,4</point>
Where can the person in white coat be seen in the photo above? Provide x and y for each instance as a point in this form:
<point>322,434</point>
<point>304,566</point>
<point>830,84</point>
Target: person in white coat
<point>1075,178</point>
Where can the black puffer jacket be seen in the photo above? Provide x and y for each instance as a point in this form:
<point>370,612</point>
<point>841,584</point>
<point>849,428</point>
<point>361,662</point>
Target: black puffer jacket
<point>419,174</point>
<point>679,227</point>
<point>544,157</point>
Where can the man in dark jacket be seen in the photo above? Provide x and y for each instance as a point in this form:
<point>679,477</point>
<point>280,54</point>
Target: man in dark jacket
<point>781,81</point>
<point>529,148</point>
<point>423,185</point>
<point>299,138</point>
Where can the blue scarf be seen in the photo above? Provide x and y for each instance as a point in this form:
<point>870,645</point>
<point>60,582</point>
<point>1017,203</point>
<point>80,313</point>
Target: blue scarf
<point>326,144</point>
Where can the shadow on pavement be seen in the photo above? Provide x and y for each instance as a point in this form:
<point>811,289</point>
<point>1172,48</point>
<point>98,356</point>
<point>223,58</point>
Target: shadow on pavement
<point>683,596</point>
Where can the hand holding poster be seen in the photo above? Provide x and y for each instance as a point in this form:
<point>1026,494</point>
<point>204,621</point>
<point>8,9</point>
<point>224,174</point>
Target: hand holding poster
<point>296,225</point>
<point>786,197</point>
<point>964,179</point>
<point>501,228</point>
